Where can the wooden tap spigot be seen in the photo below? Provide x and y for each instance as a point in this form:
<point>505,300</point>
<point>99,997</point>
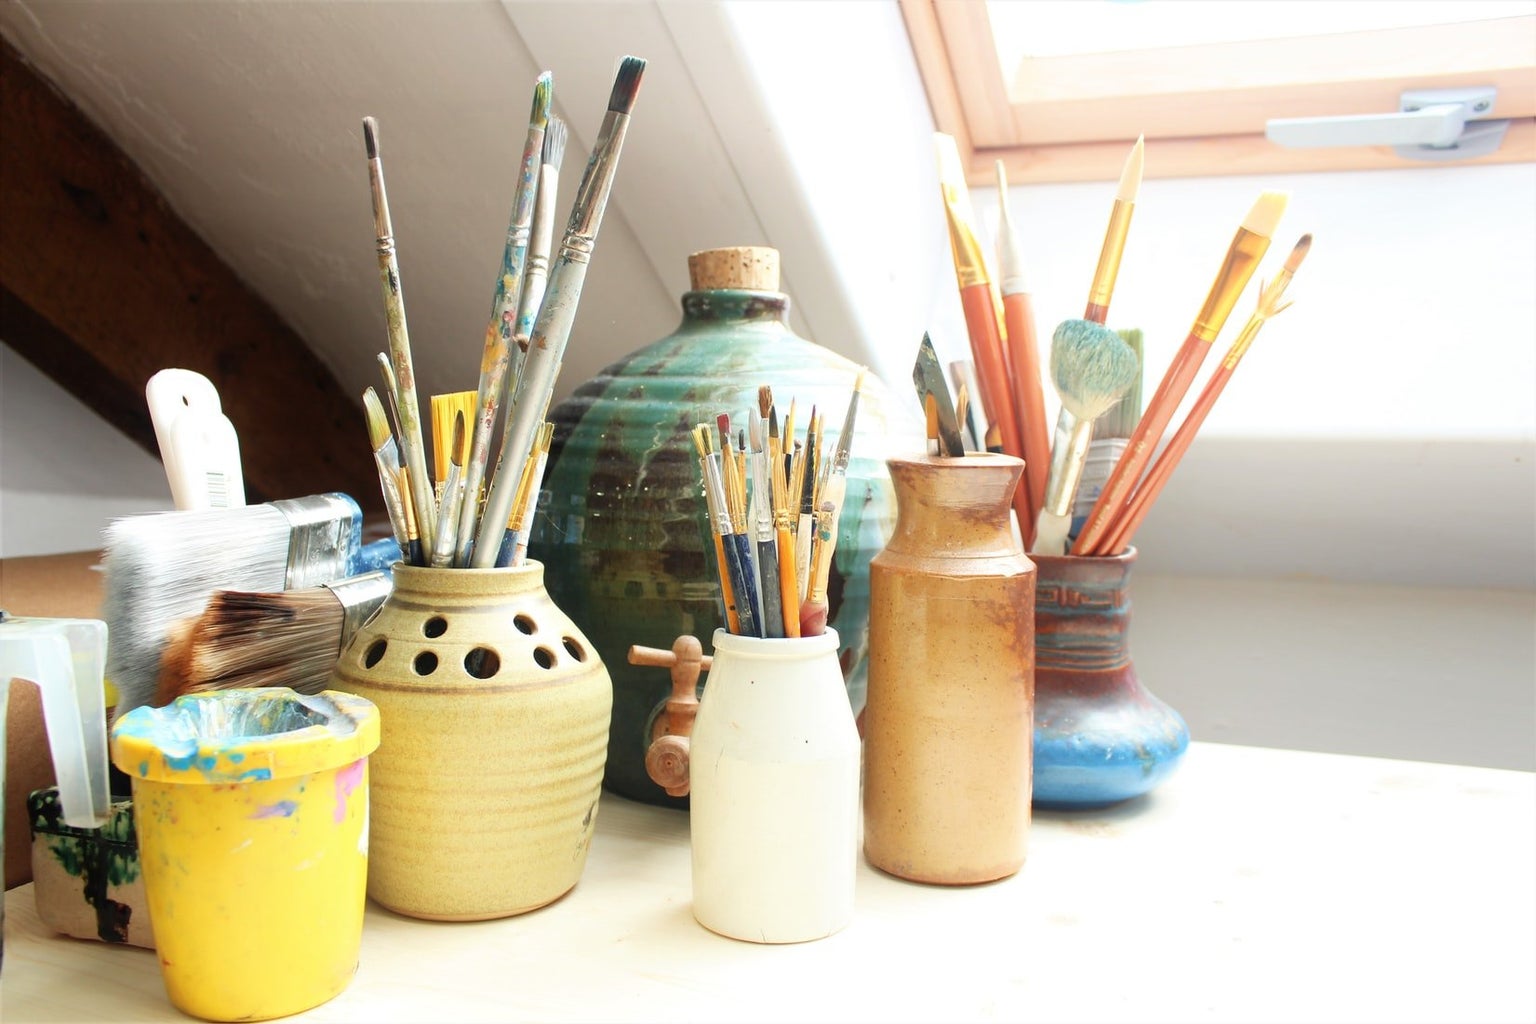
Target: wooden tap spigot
<point>666,760</point>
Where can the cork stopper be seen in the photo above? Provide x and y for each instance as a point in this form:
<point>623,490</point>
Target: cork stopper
<point>748,267</point>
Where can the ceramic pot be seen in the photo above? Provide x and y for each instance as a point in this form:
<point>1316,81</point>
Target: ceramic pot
<point>1100,735</point>
<point>775,816</point>
<point>951,677</point>
<point>495,726</point>
<point>619,525</point>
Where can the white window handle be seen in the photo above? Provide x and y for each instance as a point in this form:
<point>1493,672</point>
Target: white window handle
<point>1432,124</point>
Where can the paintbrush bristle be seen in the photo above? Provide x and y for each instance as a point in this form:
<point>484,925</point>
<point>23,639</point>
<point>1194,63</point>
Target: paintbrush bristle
<point>554,143</point>
<point>1265,215</point>
<point>764,400</point>
<point>951,171</point>
<point>1091,367</point>
<point>1121,420</point>
<point>162,567</point>
<point>1130,175</point>
<point>371,137</point>
<point>283,638</point>
<point>1298,253</point>
<point>701,439</point>
<point>543,93</point>
<point>378,421</point>
<point>626,84</point>
<point>457,452</point>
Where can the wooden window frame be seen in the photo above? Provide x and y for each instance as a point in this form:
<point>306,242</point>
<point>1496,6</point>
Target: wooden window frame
<point>1199,107</point>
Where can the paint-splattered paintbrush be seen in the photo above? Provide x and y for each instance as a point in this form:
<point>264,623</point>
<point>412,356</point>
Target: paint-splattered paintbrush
<point>453,496</point>
<point>543,237</point>
<point>552,330</point>
<point>386,459</point>
<point>399,340</point>
<point>497,350</point>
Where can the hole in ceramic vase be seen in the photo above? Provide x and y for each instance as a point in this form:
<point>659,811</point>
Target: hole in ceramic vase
<point>425,663</point>
<point>573,646</point>
<point>524,625</point>
<point>633,589</point>
<point>375,652</point>
<point>482,663</point>
<point>436,626</point>
<point>544,656</point>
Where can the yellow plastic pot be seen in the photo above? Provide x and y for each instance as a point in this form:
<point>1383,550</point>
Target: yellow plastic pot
<point>252,814</point>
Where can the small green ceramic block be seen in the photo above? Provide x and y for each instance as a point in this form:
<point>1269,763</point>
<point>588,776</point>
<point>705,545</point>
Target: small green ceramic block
<point>87,880</point>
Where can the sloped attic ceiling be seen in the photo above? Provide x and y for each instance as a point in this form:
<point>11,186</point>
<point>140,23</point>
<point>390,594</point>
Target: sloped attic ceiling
<point>247,118</point>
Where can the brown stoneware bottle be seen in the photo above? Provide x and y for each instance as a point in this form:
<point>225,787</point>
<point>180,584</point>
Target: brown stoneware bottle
<point>948,723</point>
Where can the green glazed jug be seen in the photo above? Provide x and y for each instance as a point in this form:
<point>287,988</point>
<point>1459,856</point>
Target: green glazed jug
<point>620,527</point>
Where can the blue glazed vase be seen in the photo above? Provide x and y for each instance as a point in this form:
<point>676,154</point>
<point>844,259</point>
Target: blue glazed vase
<point>1100,736</point>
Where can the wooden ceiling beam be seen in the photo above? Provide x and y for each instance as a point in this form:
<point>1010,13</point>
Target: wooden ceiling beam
<point>102,285</point>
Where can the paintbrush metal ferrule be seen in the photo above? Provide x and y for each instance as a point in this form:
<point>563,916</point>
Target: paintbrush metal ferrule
<point>1248,247</point>
<point>360,596</point>
<point>1108,268</point>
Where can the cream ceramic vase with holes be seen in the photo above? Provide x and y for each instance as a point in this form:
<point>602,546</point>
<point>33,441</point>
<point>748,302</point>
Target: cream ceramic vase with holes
<point>494,710</point>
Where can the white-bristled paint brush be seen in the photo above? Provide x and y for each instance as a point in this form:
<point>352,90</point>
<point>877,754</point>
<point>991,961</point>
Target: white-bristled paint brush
<point>162,568</point>
<point>1091,369</point>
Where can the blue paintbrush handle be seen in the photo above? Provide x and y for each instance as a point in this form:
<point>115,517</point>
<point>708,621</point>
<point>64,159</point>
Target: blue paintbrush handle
<point>748,606</point>
<point>739,587</point>
<point>381,554</point>
<point>768,568</point>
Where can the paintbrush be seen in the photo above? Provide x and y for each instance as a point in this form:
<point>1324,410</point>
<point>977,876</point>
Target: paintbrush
<point>1243,255</point>
<point>537,274</point>
<point>813,613</point>
<point>831,493</point>
<point>1024,353</point>
<point>198,444</point>
<point>789,586</point>
<point>933,393</point>
<point>1091,369</point>
<point>803,494</point>
<point>718,528</point>
<point>976,300</point>
<point>283,638</point>
<point>522,525</point>
<point>749,601</point>
<point>720,520</point>
<point>1111,432</point>
<point>408,410</point>
<point>453,495</point>
<point>552,329</point>
<point>496,352</point>
<point>1108,268</point>
<point>386,458</point>
<point>1118,538</point>
<point>445,411</point>
<point>768,584</point>
<point>163,567</point>
<point>962,375</point>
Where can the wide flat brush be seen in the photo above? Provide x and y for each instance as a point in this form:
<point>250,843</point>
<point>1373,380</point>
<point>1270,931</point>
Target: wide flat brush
<point>1270,306</point>
<point>1247,248</point>
<point>1091,369</point>
<point>282,638</point>
<point>163,567</point>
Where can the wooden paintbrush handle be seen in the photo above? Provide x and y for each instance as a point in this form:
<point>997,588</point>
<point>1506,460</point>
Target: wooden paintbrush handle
<point>1019,318</point>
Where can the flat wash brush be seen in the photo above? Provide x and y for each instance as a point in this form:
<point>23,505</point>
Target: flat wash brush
<point>162,568</point>
<point>1091,368</point>
<point>285,638</point>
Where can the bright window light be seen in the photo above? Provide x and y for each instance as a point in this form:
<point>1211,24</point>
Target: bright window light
<point>1023,29</point>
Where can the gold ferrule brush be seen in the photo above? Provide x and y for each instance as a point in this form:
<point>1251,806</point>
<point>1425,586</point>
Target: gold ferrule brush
<point>1269,303</point>
<point>970,265</point>
<point>1103,287</point>
<point>1248,247</point>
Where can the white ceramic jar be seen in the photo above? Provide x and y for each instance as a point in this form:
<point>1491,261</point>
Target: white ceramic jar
<point>775,791</point>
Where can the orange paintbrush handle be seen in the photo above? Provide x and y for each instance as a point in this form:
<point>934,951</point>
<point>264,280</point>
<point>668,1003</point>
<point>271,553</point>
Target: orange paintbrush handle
<point>1119,536</point>
<point>1143,442</point>
<point>789,583</point>
<point>991,367</point>
<point>1019,318</point>
<point>732,618</point>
